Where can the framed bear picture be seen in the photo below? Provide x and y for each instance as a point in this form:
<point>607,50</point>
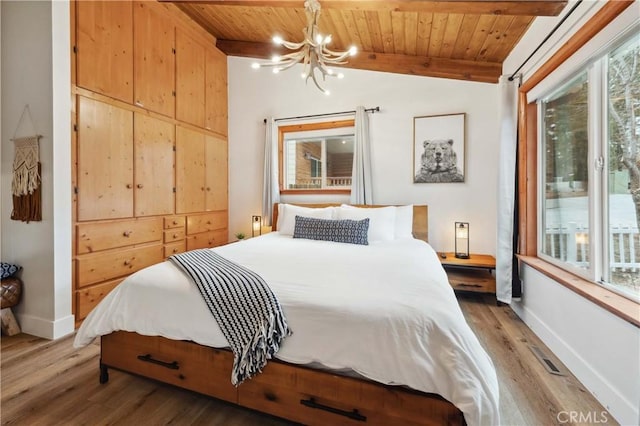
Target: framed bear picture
<point>438,148</point>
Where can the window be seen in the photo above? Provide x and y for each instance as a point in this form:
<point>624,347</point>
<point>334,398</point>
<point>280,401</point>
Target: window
<point>316,157</point>
<point>622,179</point>
<point>589,171</point>
<point>564,172</point>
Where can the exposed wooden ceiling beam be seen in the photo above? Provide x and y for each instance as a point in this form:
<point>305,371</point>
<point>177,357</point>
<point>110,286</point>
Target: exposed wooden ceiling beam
<point>480,7</point>
<point>487,72</point>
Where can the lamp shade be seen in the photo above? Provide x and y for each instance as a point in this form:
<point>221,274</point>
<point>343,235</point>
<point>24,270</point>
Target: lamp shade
<point>256,225</point>
<point>462,240</point>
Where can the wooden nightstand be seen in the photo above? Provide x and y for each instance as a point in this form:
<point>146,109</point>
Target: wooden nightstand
<point>473,274</point>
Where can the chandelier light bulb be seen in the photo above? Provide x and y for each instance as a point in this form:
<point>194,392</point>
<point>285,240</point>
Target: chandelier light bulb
<point>326,92</point>
<point>275,58</point>
<point>319,38</point>
<point>303,75</point>
<point>276,70</point>
<point>278,40</point>
<point>330,71</point>
<point>255,65</point>
<point>327,39</point>
<point>340,75</point>
<point>353,50</point>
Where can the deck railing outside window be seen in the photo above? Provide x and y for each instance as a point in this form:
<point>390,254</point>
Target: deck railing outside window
<point>317,183</point>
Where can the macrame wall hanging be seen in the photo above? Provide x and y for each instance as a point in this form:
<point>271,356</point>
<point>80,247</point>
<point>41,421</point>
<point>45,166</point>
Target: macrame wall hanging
<point>26,183</point>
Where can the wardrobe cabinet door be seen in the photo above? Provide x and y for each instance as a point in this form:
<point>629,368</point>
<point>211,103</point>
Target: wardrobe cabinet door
<point>190,170</point>
<point>104,44</point>
<point>216,91</point>
<point>105,161</point>
<point>154,166</point>
<point>190,72</point>
<point>154,58</point>
<point>216,180</point>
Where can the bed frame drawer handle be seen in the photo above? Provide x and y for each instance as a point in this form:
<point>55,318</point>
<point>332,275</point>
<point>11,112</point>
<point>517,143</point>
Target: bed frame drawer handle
<point>170,365</point>
<point>355,415</point>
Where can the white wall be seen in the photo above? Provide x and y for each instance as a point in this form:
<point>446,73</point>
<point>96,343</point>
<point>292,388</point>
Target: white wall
<point>35,71</point>
<point>599,348</point>
<point>254,95</point>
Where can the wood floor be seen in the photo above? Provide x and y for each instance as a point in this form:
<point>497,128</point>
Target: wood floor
<point>51,383</point>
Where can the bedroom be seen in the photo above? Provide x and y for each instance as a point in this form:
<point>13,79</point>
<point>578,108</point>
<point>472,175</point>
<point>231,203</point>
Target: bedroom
<point>401,98</point>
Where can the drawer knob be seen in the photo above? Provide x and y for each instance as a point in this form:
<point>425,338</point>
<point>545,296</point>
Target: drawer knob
<point>175,222</point>
<point>127,262</point>
<point>140,186</point>
<point>127,233</point>
<point>129,186</point>
<point>175,250</point>
<point>208,189</point>
<point>208,222</point>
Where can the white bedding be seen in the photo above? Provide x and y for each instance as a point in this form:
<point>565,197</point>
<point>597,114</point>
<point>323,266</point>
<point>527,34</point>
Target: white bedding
<point>384,310</point>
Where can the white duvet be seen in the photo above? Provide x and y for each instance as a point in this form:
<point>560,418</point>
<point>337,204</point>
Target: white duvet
<point>385,311</point>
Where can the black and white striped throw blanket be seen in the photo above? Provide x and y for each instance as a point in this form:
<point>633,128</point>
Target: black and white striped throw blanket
<point>243,305</point>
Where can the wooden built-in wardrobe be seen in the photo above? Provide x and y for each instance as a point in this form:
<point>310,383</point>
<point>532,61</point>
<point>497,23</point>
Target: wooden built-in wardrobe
<point>149,146</point>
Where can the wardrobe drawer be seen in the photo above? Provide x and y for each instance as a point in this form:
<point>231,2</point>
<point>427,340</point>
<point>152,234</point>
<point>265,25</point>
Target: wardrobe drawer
<point>88,298</point>
<point>207,239</point>
<point>173,235</point>
<point>174,222</point>
<point>98,267</point>
<point>94,237</point>
<point>175,248</point>
<point>185,364</point>
<point>206,222</point>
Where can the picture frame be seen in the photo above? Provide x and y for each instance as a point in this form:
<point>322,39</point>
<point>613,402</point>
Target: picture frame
<point>439,148</point>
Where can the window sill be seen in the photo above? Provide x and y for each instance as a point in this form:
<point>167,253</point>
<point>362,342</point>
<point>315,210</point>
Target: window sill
<point>618,305</point>
<point>314,191</point>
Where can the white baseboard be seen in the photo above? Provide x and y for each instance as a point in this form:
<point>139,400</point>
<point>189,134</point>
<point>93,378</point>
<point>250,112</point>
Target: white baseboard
<point>623,410</point>
<point>46,329</point>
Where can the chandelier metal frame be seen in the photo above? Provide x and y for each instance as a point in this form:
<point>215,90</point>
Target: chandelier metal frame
<point>312,52</point>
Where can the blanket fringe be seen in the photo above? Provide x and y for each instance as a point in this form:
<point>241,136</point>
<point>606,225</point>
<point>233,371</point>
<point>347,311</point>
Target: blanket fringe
<point>262,347</point>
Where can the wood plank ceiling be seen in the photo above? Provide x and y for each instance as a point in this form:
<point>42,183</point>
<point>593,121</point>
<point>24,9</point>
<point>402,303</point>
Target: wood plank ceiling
<point>466,40</point>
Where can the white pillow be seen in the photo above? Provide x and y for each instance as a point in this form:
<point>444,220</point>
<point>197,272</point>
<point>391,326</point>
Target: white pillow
<point>287,216</point>
<point>404,222</point>
<point>381,220</point>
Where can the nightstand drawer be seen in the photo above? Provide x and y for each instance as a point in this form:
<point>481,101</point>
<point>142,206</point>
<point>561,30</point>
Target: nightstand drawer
<point>472,274</point>
<point>471,279</point>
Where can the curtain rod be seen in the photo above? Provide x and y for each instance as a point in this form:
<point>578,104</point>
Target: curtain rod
<point>372,110</point>
<point>564,18</point>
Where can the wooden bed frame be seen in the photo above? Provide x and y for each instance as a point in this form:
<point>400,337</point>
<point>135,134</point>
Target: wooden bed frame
<point>294,392</point>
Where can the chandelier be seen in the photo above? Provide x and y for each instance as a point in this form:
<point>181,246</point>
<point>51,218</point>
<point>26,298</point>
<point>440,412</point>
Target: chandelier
<point>313,52</point>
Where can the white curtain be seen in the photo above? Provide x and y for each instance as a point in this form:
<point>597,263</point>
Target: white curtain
<point>361,186</point>
<point>270,190</point>
<point>508,113</point>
